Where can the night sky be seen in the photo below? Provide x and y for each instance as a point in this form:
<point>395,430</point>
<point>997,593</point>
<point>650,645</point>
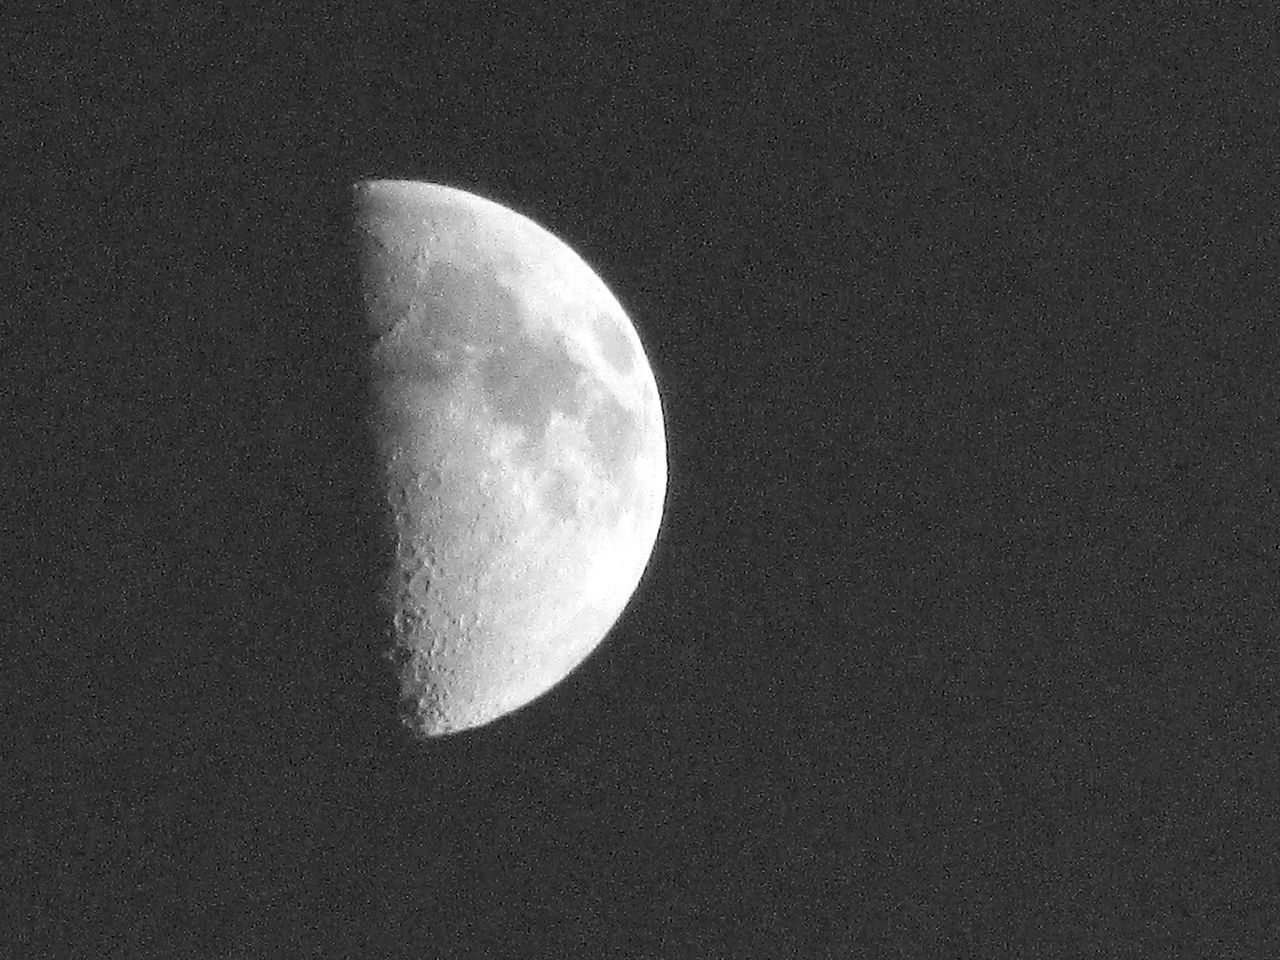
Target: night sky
<point>959,637</point>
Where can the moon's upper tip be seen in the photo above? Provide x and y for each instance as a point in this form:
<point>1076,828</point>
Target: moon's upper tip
<point>399,185</point>
<point>367,184</point>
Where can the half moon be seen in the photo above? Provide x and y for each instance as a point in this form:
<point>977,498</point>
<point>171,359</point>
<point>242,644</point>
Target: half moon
<point>521,436</point>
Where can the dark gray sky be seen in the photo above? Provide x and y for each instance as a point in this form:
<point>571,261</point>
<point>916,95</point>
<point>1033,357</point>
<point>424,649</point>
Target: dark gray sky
<point>958,641</point>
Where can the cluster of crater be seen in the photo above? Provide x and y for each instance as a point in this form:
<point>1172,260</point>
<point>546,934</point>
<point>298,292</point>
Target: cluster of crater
<point>452,322</point>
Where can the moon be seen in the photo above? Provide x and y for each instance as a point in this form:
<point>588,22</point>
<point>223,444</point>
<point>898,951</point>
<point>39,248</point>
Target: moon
<point>520,436</point>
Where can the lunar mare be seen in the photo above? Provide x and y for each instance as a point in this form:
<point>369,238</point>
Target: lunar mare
<point>524,453</point>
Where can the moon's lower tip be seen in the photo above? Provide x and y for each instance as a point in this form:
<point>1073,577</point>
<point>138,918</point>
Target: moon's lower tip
<point>434,724</point>
<point>427,732</point>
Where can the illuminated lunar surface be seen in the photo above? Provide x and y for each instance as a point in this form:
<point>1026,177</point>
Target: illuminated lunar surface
<point>521,434</point>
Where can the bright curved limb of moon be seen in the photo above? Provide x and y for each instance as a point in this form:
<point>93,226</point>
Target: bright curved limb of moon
<point>521,433</point>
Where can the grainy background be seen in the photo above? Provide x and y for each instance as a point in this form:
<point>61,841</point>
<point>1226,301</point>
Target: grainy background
<point>959,638</point>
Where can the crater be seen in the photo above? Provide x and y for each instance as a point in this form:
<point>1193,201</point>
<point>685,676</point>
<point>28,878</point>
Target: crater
<point>387,294</point>
<point>453,313</point>
<point>615,345</point>
<point>561,496</point>
<point>529,378</point>
<point>615,436</point>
